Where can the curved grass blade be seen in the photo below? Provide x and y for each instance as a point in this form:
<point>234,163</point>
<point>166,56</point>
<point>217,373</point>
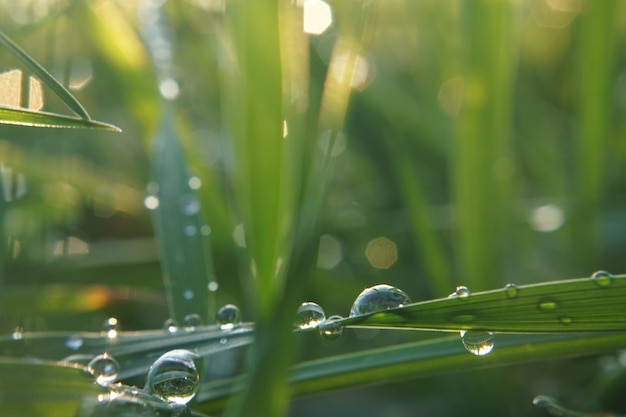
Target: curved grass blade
<point>420,359</point>
<point>42,389</point>
<point>135,351</point>
<point>577,305</point>
<point>44,76</point>
<point>24,117</point>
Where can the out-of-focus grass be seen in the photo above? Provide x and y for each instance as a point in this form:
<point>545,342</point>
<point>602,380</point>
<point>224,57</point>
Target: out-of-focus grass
<point>482,141</point>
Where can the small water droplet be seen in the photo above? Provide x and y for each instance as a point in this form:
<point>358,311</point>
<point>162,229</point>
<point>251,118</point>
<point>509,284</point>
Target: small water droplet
<point>330,329</point>
<point>173,377</point>
<point>213,286</point>
<point>461,292</point>
<point>228,316</point>
<point>463,318</point>
<point>189,205</point>
<point>602,278</point>
<point>170,326</point>
<point>511,290</point>
<point>110,328</point>
<point>151,202</point>
<point>74,342</point>
<point>565,320</point>
<point>223,341</point>
<point>191,321</point>
<point>378,298</point>
<point>104,368</point>
<point>190,230</point>
<point>309,315</point>
<point>478,342</point>
<point>547,304</point>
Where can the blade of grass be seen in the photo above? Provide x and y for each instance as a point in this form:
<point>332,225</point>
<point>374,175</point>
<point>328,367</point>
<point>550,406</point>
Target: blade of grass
<point>24,117</point>
<point>42,389</point>
<point>179,228</point>
<point>578,305</point>
<point>418,360</point>
<point>44,76</point>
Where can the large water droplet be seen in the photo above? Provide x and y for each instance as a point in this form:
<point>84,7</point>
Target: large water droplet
<point>110,328</point>
<point>330,329</point>
<point>511,290</point>
<point>309,315</point>
<point>104,368</point>
<point>228,316</point>
<point>170,326</point>
<point>547,304</point>
<point>602,278</point>
<point>478,342</point>
<point>461,292</point>
<point>174,377</point>
<point>191,321</point>
<point>378,298</point>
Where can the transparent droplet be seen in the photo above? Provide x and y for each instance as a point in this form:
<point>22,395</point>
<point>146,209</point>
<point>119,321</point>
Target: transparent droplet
<point>191,321</point>
<point>602,278</point>
<point>189,205</point>
<point>151,202</point>
<point>174,377</point>
<point>565,320</point>
<point>511,290</point>
<point>378,298</point>
<point>110,328</point>
<point>74,342</point>
<point>309,315</point>
<point>179,410</point>
<point>228,316</point>
<point>461,292</point>
<point>104,368</point>
<point>547,304</point>
<point>330,329</point>
<point>463,318</point>
<point>478,342</point>
<point>170,326</point>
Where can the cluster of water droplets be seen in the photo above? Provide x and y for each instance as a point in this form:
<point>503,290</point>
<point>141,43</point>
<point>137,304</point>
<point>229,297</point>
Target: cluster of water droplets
<point>477,342</point>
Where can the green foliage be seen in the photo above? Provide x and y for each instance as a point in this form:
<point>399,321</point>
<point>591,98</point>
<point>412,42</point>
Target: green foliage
<point>422,144</point>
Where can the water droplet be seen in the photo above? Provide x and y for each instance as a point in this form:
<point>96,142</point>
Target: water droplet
<point>191,321</point>
<point>174,377</point>
<point>151,202</point>
<point>127,405</point>
<point>179,410</point>
<point>170,326</point>
<point>228,316</point>
<point>190,230</point>
<point>74,342</point>
<point>463,318</point>
<point>18,333</point>
<point>105,368</point>
<point>511,290</point>
<point>330,329</point>
<point>188,294</point>
<point>110,328</point>
<point>309,316</point>
<point>602,278</point>
<point>189,205</point>
<point>223,341</point>
<point>477,342</point>
<point>378,298</point>
<point>461,292</point>
<point>547,304</point>
<point>213,286</point>
<point>565,320</point>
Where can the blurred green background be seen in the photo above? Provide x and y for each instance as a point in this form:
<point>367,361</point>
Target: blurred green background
<point>484,143</point>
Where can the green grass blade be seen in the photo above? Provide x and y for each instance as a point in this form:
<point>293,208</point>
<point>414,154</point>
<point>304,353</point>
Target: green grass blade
<point>24,117</point>
<point>179,228</point>
<point>44,76</point>
<point>578,305</point>
<point>42,389</point>
<point>420,359</point>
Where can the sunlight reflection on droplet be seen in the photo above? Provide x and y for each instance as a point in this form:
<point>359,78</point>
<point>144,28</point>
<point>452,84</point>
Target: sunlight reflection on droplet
<point>169,88</point>
<point>547,218</point>
<point>317,17</point>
